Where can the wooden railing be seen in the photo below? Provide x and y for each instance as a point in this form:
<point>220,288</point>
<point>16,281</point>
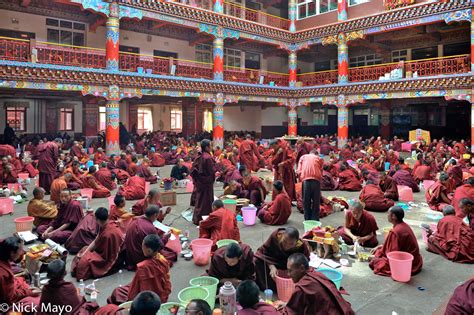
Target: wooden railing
<point>318,78</point>
<point>87,57</point>
<point>395,4</point>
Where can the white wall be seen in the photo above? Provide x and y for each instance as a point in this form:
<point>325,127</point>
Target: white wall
<point>27,23</point>
<point>236,120</point>
<point>274,116</point>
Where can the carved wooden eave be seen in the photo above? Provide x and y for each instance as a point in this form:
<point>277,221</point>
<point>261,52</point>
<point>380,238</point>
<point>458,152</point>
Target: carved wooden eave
<point>41,74</point>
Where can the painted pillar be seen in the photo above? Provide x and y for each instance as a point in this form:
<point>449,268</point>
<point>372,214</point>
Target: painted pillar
<point>218,6</point>
<point>341,10</point>
<point>342,121</point>
<point>292,63</point>
<point>112,118</point>
<point>292,15</point>
<point>292,121</point>
<point>112,38</point>
<point>385,130</point>
<point>342,59</point>
<point>218,125</point>
<point>472,40</point>
<point>219,58</point>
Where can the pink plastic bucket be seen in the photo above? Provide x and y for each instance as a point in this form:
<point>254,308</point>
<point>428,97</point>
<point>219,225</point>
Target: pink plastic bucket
<point>427,184</point>
<point>406,147</point>
<point>147,187</point>
<point>400,265</point>
<point>87,192</point>
<point>405,193</point>
<point>24,224</point>
<point>201,251</point>
<point>6,206</point>
<point>189,187</point>
<point>285,286</point>
<point>249,215</point>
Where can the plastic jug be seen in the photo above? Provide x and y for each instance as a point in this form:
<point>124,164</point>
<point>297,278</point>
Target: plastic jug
<point>228,299</point>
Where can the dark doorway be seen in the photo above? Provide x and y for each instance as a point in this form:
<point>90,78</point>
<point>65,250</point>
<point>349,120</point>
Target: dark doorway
<point>458,120</point>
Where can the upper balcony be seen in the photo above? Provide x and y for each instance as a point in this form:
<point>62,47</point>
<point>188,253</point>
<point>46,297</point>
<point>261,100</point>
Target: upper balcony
<point>86,57</point>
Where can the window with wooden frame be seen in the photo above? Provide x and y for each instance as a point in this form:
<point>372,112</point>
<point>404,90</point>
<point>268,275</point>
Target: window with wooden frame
<point>16,117</point>
<point>66,119</point>
<point>102,118</point>
<point>176,119</point>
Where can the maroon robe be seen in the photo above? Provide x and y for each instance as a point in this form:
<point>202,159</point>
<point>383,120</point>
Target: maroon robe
<point>400,238</point>
<point>14,289</point>
<point>220,225</point>
<point>244,270</point>
<point>277,211</point>
<point>251,191</point>
<point>99,191</point>
<point>6,149</point>
<point>140,206</point>
<point>232,173</point>
<point>203,175</point>
<point>389,187</point>
<point>464,191</point>
<point>287,174</point>
<point>316,294</point>
<point>455,173</point>
<point>422,172</point>
<point>76,150</point>
<point>136,232</point>
<point>152,275</point>
<point>304,148</point>
<point>373,198</point>
<point>249,155</point>
<point>363,227</point>
<point>156,160</point>
<point>404,178</point>
<point>48,154</point>
<point>144,171</point>
<point>70,213</point>
<point>31,170</point>
<point>453,240</point>
<point>63,293</point>
<point>433,196</point>
<point>85,232</point>
<point>99,261</point>
<point>133,189</point>
<point>122,164</point>
<point>462,300</point>
<point>272,253</point>
<point>349,181</point>
<point>260,308</point>
<point>104,177</point>
<point>328,182</point>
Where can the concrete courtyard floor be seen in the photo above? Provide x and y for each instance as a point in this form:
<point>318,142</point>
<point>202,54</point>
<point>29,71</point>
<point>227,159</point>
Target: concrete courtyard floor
<point>369,293</point>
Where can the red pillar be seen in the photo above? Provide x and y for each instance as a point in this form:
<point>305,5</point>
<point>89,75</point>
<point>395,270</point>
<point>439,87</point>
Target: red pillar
<point>218,125</point>
<point>292,121</point>
<point>342,121</point>
<point>112,38</point>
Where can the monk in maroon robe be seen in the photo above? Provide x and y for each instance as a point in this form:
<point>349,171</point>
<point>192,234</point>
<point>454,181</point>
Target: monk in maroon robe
<point>144,171</point>
<point>423,172</point>
<point>461,301</point>
<point>232,263</point>
<point>453,238</point>
<point>314,294</point>
<point>464,191</point>
<point>437,195</point>
<point>152,199</point>
<point>400,238</point>
<point>403,178</point>
<point>122,163</point>
<point>76,149</point>
<point>373,198</point>
<point>203,175</point>
<point>253,189</point>
<point>327,181</point>
<point>29,168</point>
<point>346,153</point>
<point>283,167</point>
<point>8,175</point>
<point>152,274</point>
<point>133,189</point>
<point>63,293</point>
<point>156,160</point>
<point>248,298</point>
<point>277,211</point>
<point>104,177</point>
<point>100,157</point>
<point>359,226</point>
<point>69,216</point>
<point>388,186</point>
<point>84,234</point>
<point>220,225</point>
<point>272,256</point>
<point>249,155</point>
<point>48,154</point>
<point>76,176</point>
<point>98,258</point>
<point>348,180</point>
<point>136,232</point>
<point>89,181</point>
<point>14,289</point>
<point>303,148</point>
